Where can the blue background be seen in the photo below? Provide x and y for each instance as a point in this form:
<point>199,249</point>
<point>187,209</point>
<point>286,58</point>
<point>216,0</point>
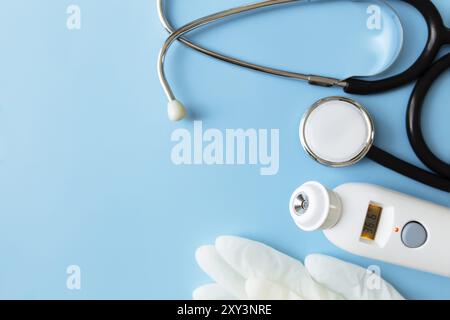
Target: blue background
<point>85,171</point>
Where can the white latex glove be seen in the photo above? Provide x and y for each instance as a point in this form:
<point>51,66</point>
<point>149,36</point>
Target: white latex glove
<point>245,269</point>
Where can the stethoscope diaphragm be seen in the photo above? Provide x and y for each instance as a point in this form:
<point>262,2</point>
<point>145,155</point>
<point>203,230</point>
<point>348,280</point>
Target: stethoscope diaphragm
<point>337,131</point>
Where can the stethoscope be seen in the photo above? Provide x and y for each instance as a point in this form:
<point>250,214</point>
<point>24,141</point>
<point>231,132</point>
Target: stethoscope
<point>424,69</point>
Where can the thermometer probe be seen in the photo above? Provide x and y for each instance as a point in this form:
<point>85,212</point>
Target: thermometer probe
<point>377,223</point>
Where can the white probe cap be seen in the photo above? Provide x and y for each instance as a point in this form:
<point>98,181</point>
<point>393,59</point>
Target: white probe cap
<point>314,207</point>
<point>175,110</point>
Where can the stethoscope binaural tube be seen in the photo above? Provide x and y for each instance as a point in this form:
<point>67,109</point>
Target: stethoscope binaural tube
<point>176,110</point>
<point>438,35</point>
<point>241,63</point>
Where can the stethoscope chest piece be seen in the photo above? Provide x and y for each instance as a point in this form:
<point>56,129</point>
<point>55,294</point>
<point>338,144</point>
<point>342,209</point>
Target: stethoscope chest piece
<point>337,131</point>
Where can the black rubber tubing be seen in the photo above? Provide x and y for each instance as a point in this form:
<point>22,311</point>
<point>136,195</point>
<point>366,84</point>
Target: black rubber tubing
<point>440,177</point>
<point>414,119</point>
<point>438,35</point>
<point>418,174</point>
<point>447,38</point>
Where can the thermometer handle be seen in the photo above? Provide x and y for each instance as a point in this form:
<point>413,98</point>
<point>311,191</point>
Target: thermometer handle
<point>390,226</point>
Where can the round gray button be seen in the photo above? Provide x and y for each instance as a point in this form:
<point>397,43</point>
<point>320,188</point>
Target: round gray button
<point>414,235</point>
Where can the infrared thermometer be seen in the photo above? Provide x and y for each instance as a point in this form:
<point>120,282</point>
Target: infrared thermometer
<point>377,223</point>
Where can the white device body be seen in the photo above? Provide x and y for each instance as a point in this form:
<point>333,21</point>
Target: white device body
<point>398,210</point>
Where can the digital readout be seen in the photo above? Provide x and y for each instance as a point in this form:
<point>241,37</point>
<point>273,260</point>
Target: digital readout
<point>371,222</point>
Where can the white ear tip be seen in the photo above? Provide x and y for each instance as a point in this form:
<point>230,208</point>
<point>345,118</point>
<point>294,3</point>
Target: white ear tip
<point>176,110</point>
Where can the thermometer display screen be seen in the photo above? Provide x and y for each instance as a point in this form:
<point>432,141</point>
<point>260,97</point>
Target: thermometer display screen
<point>371,222</point>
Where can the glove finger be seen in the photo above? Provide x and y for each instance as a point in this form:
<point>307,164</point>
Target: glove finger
<point>212,291</point>
<point>261,289</point>
<point>220,271</point>
<point>255,260</point>
<point>352,281</point>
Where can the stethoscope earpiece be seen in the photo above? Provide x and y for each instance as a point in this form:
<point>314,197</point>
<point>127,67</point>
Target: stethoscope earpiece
<point>176,110</point>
